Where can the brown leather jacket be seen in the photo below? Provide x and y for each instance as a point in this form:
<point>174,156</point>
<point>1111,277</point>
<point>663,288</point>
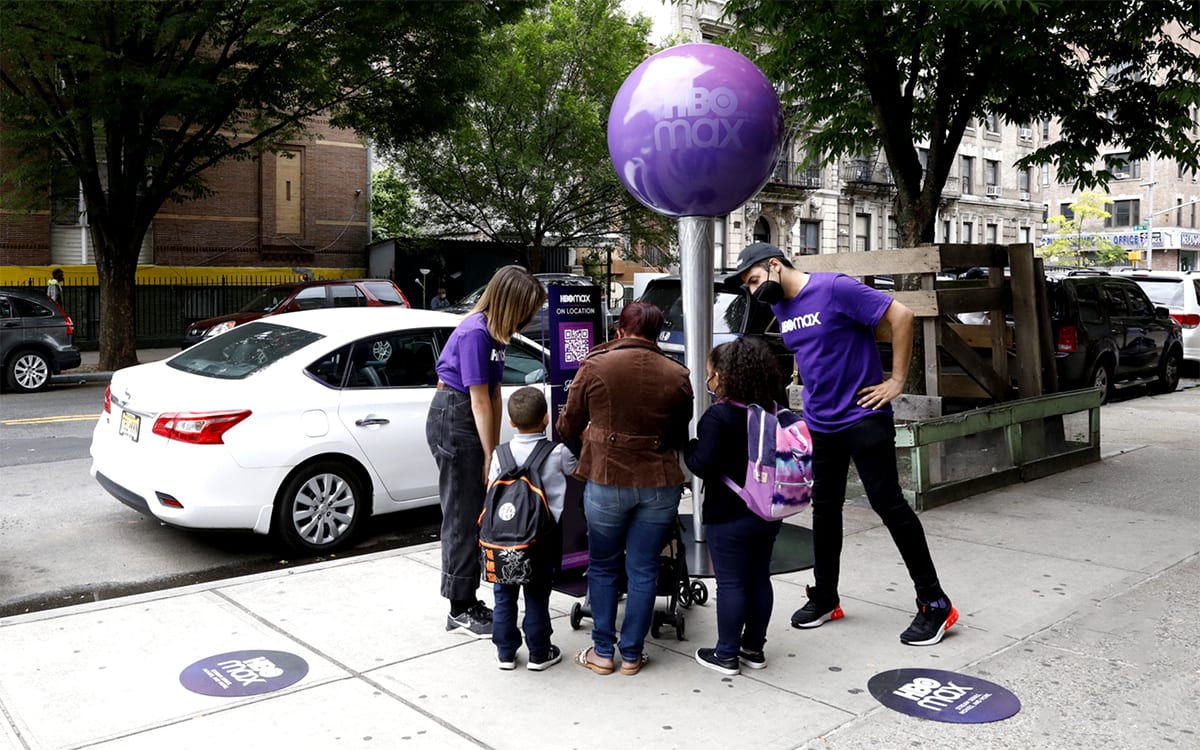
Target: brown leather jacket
<point>631,405</point>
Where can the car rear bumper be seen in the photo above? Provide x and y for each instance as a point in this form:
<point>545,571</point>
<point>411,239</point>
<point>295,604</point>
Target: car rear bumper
<point>67,359</point>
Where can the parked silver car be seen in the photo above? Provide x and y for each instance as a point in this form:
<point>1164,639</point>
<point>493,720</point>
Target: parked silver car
<point>36,339</point>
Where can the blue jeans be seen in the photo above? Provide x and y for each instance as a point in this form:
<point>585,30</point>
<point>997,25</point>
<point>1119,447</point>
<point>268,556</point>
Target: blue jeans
<point>536,623</point>
<point>635,521</point>
<point>741,556</point>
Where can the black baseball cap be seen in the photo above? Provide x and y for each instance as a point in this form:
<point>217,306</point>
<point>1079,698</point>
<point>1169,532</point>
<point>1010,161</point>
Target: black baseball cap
<point>756,253</point>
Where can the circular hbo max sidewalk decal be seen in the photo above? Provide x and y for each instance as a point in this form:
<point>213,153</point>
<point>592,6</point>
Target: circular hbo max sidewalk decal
<point>943,696</point>
<point>242,673</point>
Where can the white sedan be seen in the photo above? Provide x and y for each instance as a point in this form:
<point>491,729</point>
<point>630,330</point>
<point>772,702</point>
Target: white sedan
<point>298,426</point>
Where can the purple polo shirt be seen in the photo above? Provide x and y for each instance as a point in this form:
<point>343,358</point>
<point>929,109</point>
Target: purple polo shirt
<point>830,326</point>
<point>471,356</point>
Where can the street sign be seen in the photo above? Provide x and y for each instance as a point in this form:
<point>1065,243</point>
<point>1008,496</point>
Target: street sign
<point>1140,228</point>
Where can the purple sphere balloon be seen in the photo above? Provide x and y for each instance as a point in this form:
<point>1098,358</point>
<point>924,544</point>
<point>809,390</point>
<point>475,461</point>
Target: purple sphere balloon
<point>695,130</point>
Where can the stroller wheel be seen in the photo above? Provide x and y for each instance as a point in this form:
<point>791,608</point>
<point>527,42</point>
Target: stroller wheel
<point>656,625</point>
<point>699,593</point>
<point>576,616</point>
<point>679,626</point>
<point>685,594</point>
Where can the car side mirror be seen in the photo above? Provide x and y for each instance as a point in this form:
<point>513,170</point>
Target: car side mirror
<point>1162,312</point>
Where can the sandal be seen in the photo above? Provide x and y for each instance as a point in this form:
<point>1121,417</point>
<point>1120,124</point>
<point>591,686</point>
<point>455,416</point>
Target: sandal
<point>581,658</point>
<point>633,667</point>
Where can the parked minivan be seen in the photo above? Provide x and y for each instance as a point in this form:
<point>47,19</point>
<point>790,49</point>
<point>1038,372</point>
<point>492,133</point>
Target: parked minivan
<point>1179,292</point>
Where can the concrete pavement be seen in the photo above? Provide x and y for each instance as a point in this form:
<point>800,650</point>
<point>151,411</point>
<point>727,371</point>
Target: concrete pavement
<point>1079,592</point>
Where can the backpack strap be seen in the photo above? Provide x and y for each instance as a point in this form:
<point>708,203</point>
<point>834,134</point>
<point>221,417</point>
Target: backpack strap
<point>507,461</point>
<point>540,453</point>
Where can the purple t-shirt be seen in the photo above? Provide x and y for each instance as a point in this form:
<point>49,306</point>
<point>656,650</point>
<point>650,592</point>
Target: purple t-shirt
<point>830,326</point>
<point>471,357</point>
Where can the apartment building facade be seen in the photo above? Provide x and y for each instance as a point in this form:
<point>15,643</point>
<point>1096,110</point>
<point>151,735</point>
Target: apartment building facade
<point>305,207</point>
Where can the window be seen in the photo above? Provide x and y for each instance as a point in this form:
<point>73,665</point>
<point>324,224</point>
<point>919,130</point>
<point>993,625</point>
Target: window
<point>1139,305</point>
<point>1124,214</point>
<point>967,166</point>
<point>946,231</point>
<point>384,292</point>
<point>1065,210</point>
<point>762,230</point>
<point>989,234</point>
<point>992,124</point>
<point>25,308</point>
<point>893,233</point>
<point>1088,296</point>
<point>64,197</point>
<point>1023,180</point>
<point>1045,129</point>
<point>1179,212</point>
<point>1118,304</point>
<point>968,231</point>
<point>810,238</point>
<point>394,360</point>
<point>1025,234</point>
<point>243,351</point>
<point>862,232</point>
<point>1122,168</point>
<point>521,366</point>
<point>310,298</point>
<point>1045,174</point>
<point>991,173</point>
<point>347,295</point>
<point>289,175</point>
<point>923,157</point>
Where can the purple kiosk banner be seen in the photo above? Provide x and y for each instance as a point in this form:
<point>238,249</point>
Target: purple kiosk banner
<point>574,325</point>
<point>939,695</point>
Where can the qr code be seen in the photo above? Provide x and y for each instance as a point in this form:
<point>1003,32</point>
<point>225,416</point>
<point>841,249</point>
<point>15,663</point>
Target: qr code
<point>575,344</point>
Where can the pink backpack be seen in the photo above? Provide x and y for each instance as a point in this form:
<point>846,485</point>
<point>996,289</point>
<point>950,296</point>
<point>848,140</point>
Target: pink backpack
<point>779,475</point>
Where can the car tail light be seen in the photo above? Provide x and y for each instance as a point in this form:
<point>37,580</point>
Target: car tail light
<point>1068,339</point>
<point>108,399</point>
<point>67,318</point>
<point>1191,320</point>
<point>202,428</point>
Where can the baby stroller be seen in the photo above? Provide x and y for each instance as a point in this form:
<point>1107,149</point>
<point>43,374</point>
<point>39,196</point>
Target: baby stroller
<point>674,584</point>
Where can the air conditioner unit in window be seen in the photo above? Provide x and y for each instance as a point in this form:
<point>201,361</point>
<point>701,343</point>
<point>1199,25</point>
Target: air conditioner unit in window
<point>993,191</point>
<point>1027,134</point>
<point>1024,196</point>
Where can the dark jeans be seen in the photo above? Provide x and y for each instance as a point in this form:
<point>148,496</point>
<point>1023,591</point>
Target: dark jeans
<point>454,442</point>
<point>871,444</point>
<point>536,623</point>
<point>741,556</point>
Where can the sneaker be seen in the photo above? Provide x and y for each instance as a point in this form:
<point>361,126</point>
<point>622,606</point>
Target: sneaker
<point>481,611</point>
<point>542,662</point>
<point>930,624</point>
<point>752,661</point>
<point>506,663</point>
<point>814,613</point>
<point>707,657</point>
<point>471,622</point>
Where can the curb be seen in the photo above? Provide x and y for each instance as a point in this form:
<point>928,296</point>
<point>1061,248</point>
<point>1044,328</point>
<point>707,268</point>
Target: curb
<point>81,377</point>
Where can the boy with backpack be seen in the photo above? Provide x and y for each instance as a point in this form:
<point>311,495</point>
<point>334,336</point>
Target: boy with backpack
<point>519,536</point>
<point>829,322</point>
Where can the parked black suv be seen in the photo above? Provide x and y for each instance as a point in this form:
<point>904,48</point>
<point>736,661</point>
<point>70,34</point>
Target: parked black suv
<point>35,340</point>
<point>1109,335</point>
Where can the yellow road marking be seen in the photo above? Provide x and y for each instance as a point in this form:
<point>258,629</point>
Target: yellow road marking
<point>51,420</point>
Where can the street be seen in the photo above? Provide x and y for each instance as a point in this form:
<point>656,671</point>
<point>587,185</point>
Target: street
<point>64,540</point>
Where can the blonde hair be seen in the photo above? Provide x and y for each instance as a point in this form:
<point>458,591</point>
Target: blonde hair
<point>510,299</point>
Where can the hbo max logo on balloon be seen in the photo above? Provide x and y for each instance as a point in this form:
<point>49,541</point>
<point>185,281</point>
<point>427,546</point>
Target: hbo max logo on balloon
<point>693,127</point>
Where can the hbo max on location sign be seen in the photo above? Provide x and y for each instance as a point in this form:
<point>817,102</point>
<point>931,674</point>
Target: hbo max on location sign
<point>695,130</point>
<point>242,673</point>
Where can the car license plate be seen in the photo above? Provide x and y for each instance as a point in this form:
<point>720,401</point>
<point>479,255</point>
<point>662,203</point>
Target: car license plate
<point>131,425</point>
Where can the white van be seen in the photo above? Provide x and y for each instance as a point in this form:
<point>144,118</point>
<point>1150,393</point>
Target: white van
<point>1179,292</point>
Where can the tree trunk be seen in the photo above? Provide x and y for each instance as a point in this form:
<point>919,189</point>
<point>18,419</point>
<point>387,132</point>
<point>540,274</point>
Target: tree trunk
<point>117,269</point>
<point>915,226</point>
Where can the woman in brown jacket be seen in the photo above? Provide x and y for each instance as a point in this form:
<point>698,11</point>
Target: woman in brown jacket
<point>630,404</point>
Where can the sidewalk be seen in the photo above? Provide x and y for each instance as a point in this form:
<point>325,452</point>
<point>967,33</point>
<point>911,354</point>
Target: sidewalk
<point>89,366</point>
<point>1079,592</point>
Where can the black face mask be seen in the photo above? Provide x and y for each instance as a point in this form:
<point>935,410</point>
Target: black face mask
<point>769,292</point>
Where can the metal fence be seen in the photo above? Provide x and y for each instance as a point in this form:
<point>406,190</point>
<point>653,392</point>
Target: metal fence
<point>162,310</point>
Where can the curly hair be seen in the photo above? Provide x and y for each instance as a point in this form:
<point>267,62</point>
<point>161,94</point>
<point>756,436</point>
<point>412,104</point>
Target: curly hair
<point>748,371</point>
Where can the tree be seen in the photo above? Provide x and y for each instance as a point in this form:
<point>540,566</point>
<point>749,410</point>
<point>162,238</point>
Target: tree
<point>138,98</point>
<point>1070,243</point>
<point>392,211</point>
<point>864,76</point>
<point>529,161</point>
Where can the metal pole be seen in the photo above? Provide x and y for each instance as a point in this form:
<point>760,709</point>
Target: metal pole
<point>696,277</point>
<point>1149,218</point>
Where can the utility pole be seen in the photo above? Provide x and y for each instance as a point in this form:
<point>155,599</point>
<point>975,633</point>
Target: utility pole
<point>1150,218</point>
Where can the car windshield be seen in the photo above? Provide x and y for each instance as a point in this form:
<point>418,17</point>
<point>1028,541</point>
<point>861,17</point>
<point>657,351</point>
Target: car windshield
<point>243,351</point>
<point>729,309</point>
<point>1163,292</point>
<point>268,300</point>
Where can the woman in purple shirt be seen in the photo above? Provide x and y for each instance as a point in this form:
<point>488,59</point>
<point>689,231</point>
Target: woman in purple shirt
<point>463,428</point>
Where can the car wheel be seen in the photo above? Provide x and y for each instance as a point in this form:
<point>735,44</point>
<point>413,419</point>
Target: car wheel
<point>319,509</point>
<point>28,371</point>
<point>1102,379</point>
<point>1169,372</point>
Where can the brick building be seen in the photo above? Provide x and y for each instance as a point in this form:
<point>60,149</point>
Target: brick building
<point>307,207</point>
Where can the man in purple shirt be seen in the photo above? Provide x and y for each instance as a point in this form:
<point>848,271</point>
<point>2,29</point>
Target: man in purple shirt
<point>829,320</point>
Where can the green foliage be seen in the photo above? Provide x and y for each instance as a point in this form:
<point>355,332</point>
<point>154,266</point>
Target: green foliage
<point>392,211</point>
<point>867,76</point>
<point>137,98</point>
<point>528,161</point>
<point>1071,246</point>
